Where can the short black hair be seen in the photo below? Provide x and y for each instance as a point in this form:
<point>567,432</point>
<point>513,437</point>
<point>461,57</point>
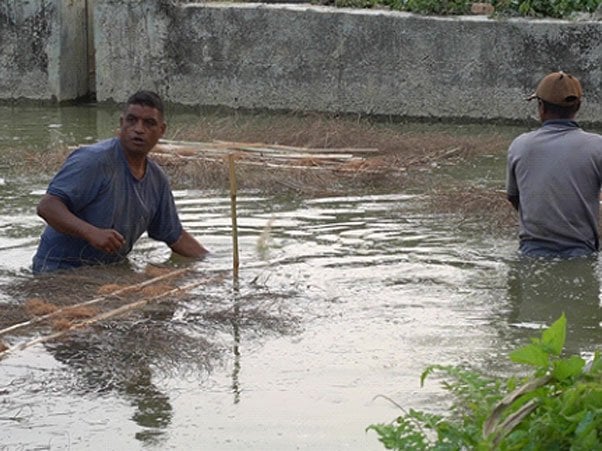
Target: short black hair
<point>147,98</point>
<point>561,112</point>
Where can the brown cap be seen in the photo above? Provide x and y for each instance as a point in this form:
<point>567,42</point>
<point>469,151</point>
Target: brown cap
<point>559,89</point>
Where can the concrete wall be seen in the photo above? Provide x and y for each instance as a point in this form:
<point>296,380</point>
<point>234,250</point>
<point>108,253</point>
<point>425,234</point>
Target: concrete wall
<point>43,49</point>
<point>301,57</point>
<point>294,57</point>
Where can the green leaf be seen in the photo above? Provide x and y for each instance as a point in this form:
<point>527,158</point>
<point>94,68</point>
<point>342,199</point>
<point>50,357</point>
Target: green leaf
<point>531,355</point>
<point>585,425</point>
<point>401,434</point>
<point>563,369</point>
<point>554,337</point>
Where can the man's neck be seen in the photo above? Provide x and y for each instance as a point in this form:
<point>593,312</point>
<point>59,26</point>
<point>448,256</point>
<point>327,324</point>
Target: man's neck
<point>137,165</point>
<point>548,116</point>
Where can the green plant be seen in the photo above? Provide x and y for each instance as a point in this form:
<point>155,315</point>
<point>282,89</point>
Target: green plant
<point>546,8</point>
<point>438,7</point>
<point>559,407</point>
<point>529,8</point>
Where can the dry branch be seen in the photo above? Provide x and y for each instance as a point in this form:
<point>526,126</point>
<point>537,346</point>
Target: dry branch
<point>266,154</point>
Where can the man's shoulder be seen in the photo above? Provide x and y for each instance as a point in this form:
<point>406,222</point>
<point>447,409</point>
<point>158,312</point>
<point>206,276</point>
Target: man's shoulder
<point>100,146</point>
<point>525,137</point>
<point>592,135</point>
<point>98,151</point>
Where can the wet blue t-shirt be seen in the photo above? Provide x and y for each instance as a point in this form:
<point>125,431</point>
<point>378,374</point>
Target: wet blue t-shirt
<point>96,184</point>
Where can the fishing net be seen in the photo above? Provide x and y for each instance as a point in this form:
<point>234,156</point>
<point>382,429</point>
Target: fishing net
<point>168,314</point>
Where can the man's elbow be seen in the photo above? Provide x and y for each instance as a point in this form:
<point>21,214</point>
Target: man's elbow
<point>514,200</point>
<point>51,207</point>
<point>43,207</point>
<point>188,246</point>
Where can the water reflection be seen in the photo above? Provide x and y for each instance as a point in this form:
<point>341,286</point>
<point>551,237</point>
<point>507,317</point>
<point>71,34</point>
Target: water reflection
<point>340,299</point>
<point>539,291</point>
<point>126,359</point>
<point>236,346</point>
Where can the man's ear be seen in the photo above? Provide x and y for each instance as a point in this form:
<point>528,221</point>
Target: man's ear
<point>541,107</point>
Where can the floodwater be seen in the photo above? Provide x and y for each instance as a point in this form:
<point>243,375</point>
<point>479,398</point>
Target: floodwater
<point>340,303</point>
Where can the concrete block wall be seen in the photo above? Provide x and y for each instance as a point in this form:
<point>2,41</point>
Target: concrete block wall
<point>43,50</point>
<point>303,57</point>
<point>293,57</point>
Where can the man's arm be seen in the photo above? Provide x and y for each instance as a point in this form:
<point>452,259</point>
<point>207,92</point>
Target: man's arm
<point>57,215</point>
<point>514,200</point>
<point>188,246</point>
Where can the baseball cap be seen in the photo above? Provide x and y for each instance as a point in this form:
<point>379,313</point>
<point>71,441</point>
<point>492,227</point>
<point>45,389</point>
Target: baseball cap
<point>558,88</point>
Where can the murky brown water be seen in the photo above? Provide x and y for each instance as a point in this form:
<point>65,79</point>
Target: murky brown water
<point>339,300</point>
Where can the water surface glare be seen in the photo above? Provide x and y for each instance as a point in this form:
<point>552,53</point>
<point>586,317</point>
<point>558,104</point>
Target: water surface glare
<point>340,300</point>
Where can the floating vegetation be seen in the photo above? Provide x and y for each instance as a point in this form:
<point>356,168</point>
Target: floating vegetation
<point>311,171</point>
<point>39,307</point>
<point>489,209</point>
<point>80,299</point>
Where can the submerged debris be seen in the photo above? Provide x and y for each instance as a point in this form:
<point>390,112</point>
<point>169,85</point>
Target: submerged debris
<point>313,171</point>
<point>39,307</point>
<point>84,303</point>
<point>489,208</point>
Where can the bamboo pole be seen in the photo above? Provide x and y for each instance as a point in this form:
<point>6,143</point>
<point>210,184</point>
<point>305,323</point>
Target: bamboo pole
<point>137,286</point>
<point>233,188</point>
<point>102,316</point>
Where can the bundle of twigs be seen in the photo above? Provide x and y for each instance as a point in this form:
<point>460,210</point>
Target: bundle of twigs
<point>266,155</point>
<point>274,168</point>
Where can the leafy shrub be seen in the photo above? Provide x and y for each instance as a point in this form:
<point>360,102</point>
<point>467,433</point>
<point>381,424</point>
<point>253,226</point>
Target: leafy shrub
<point>546,8</point>
<point>438,7</point>
<point>558,408</point>
<point>529,8</point>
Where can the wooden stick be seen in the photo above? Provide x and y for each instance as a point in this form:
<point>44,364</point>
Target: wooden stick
<point>261,154</point>
<point>233,188</point>
<point>137,286</point>
<point>327,165</point>
<point>225,147</point>
<point>111,313</point>
<point>258,146</point>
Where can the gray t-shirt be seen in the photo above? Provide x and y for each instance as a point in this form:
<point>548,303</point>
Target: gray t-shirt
<point>556,171</point>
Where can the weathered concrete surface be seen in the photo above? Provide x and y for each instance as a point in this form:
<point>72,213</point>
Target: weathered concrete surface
<point>293,57</point>
<point>43,49</point>
<point>301,57</point>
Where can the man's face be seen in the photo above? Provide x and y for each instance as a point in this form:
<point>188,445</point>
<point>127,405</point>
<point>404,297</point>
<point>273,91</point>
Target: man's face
<point>141,127</point>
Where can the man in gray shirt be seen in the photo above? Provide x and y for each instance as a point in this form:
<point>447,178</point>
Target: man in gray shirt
<point>554,176</point>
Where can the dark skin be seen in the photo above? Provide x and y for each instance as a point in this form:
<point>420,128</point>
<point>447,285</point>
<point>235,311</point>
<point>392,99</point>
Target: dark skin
<point>544,115</point>
<point>141,127</point>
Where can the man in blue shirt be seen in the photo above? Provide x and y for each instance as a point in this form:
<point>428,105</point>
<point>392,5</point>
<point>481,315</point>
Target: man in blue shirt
<point>554,175</point>
<point>105,196</point>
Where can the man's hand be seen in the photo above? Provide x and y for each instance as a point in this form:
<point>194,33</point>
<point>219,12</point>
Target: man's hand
<point>57,215</point>
<point>515,201</point>
<point>106,240</point>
